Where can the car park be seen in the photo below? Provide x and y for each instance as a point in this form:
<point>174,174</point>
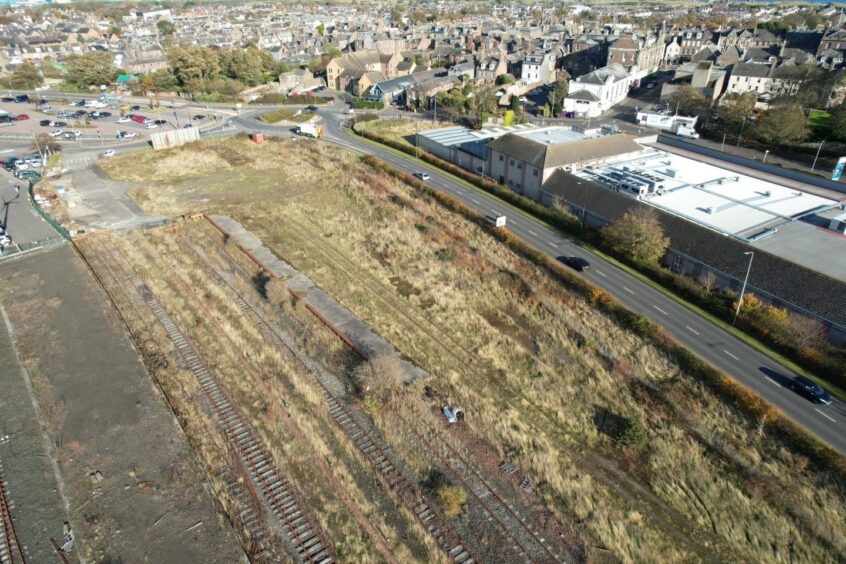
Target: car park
<point>576,263</point>
<point>810,389</point>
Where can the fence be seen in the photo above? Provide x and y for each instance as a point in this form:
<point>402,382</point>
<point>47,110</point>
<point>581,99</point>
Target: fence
<point>46,216</point>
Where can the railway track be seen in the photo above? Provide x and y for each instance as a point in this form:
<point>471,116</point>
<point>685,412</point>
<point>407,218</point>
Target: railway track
<point>10,550</point>
<point>269,485</point>
<point>378,455</point>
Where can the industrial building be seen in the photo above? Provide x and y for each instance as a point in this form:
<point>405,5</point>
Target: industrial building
<point>714,217</point>
<point>463,146</point>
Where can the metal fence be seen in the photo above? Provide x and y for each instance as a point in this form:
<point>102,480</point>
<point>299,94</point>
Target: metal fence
<point>63,233</point>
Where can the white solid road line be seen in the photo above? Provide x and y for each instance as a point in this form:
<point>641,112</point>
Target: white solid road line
<point>824,415</point>
<point>694,331</point>
<point>773,381</point>
<point>629,291</point>
<point>659,309</point>
<point>731,355</point>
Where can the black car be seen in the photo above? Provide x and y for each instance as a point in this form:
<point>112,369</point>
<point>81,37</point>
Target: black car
<point>58,124</point>
<point>135,108</point>
<point>22,98</point>
<point>199,117</point>
<point>9,164</point>
<point>576,263</point>
<point>160,121</point>
<point>312,108</point>
<point>45,123</point>
<point>7,99</point>
<point>77,104</point>
<point>105,114</point>
<point>810,389</point>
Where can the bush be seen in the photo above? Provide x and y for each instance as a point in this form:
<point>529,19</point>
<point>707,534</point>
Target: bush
<point>305,99</point>
<point>632,434</point>
<point>371,405</point>
<point>363,104</point>
<point>445,254</point>
<point>452,499</point>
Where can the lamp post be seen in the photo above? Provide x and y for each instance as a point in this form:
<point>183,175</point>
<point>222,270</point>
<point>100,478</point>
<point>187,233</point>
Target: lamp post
<point>766,152</point>
<point>739,137</point>
<point>751,255</point>
<point>813,166</point>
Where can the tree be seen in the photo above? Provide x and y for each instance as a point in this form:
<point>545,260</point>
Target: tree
<point>782,125</point>
<point>26,75</point>
<point>166,27</point>
<point>332,51</point>
<point>280,68</point>
<point>163,80</point>
<point>91,69</point>
<point>504,79</point>
<point>194,65</point>
<point>320,29</point>
<point>243,65</point>
<point>687,100</point>
<point>734,109</point>
<point>836,124</point>
<point>638,235</point>
<point>49,69</point>
<point>556,96</point>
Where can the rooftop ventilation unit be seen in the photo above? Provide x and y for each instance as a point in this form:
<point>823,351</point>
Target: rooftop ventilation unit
<point>710,211</point>
<point>765,193</point>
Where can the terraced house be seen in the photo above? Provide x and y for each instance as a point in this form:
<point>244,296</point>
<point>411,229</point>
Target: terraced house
<point>343,73</point>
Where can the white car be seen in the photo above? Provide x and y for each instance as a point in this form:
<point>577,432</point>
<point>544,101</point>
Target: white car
<point>75,132</point>
<point>109,153</point>
<point>124,119</point>
<point>151,125</point>
<point>126,134</point>
<point>522,98</point>
<point>56,133</point>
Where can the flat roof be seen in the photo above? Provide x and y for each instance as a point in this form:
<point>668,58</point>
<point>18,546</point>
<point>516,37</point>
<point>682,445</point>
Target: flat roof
<point>554,135</point>
<point>458,135</point>
<point>728,202</point>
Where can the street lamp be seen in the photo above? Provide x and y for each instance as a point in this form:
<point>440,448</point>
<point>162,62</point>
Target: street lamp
<point>766,152</point>
<point>751,255</point>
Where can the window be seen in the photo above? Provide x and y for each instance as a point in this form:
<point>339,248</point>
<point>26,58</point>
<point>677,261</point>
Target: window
<point>676,266</point>
<point>535,172</point>
<point>501,158</point>
<point>511,162</point>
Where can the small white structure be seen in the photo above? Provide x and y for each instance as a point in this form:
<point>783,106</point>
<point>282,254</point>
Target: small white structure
<point>665,121</point>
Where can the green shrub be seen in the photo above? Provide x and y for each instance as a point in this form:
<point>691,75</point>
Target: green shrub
<point>632,434</point>
<point>445,254</point>
<point>364,104</point>
<point>271,98</point>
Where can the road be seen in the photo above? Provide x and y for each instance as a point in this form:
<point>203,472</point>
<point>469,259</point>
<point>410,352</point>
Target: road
<point>726,352</point>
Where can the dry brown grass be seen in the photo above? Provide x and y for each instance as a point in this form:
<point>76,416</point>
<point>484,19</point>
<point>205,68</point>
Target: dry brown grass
<point>532,364</point>
<point>400,130</point>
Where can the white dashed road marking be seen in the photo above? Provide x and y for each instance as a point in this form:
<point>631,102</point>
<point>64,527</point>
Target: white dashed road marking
<point>773,381</point>
<point>824,415</point>
<point>553,244</point>
<point>601,273</point>
<point>731,355</point>
<point>659,309</point>
<point>532,233</point>
<point>629,291</point>
<point>694,331</point>
<point>475,201</point>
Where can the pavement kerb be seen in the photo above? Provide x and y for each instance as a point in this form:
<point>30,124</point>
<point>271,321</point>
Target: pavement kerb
<point>734,331</point>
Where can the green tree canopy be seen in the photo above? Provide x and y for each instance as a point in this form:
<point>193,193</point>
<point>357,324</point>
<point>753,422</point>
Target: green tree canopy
<point>194,65</point>
<point>166,27</point>
<point>26,75</point>
<point>504,79</point>
<point>782,125</point>
<point>836,124</point>
<point>556,96</point>
<point>91,69</point>
<point>637,234</point>
<point>734,109</point>
<point>688,101</point>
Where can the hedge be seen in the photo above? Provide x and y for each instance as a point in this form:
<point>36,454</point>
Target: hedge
<point>364,104</point>
<point>831,363</point>
<point>748,402</point>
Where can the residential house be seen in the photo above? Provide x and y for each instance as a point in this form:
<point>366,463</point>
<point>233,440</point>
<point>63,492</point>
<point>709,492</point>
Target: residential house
<point>592,94</point>
<point>704,76</point>
<point>538,68</point>
<point>353,65</point>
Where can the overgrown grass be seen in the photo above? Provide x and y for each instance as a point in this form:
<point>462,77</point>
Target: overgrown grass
<point>540,361</point>
<point>286,114</point>
<point>818,118</point>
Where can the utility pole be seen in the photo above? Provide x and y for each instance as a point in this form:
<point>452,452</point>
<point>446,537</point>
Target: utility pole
<point>751,255</point>
<point>813,166</point>
<point>723,145</point>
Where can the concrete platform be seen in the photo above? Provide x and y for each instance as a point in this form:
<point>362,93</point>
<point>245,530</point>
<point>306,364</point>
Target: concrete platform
<point>355,332</point>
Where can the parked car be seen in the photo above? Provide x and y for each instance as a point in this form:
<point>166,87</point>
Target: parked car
<point>27,175</point>
<point>21,117</point>
<point>56,133</point>
<point>138,119</point>
<point>576,263</point>
<point>45,123</point>
<point>20,98</point>
<point>124,120</point>
<point>125,134</point>
<point>151,125</point>
<point>105,114</point>
<point>160,122</point>
<point>199,117</point>
<point>42,102</point>
<point>77,104</point>
<point>9,164</point>
<point>810,389</point>
<point>58,124</point>
<point>422,175</point>
<point>109,153</point>
<point>135,108</point>
<point>7,99</point>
